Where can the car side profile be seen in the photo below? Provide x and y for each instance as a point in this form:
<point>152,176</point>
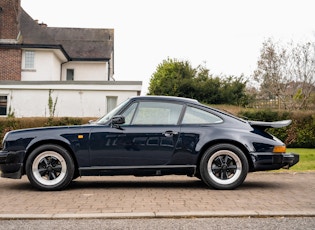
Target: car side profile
<point>147,136</point>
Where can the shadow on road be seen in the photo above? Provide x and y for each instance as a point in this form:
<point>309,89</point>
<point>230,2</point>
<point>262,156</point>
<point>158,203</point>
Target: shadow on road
<point>149,183</point>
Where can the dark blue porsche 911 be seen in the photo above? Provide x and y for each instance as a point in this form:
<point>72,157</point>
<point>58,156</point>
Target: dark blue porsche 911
<point>147,136</point>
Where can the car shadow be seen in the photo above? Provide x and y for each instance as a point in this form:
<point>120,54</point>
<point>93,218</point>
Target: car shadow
<point>167,184</point>
<point>254,185</point>
<point>148,184</point>
<point>116,184</point>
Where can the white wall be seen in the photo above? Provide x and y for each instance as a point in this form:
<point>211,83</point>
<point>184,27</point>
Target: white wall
<point>26,103</point>
<point>83,97</point>
<point>86,71</point>
<point>48,64</point>
<point>46,67</point>
<point>72,100</point>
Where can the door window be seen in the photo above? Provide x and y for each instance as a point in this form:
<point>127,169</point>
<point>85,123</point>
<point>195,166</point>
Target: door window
<point>154,113</point>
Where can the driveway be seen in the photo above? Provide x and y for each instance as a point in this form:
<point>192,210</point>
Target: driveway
<point>262,194</point>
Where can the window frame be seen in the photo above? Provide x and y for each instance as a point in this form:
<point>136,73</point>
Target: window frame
<point>67,71</point>
<point>108,106</point>
<point>6,105</point>
<point>29,60</point>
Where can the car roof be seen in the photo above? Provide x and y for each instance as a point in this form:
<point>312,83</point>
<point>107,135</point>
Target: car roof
<point>185,100</point>
<point>167,98</point>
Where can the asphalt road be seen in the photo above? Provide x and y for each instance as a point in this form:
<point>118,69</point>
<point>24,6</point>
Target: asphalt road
<point>279,223</point>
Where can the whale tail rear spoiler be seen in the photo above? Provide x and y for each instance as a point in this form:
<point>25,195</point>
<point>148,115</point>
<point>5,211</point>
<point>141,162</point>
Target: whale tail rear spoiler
<point>273,124</point>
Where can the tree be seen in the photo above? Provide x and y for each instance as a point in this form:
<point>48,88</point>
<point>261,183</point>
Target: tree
<point>269,72</point>
<point>178,78</point>
<point>233,90</point>
<point>302,71</point>
<point>51,104</point>
<point>286,74</point>
<point>170,75</point>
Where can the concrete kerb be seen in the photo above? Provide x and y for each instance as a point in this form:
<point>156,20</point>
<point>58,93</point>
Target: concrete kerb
<point>148,215</point>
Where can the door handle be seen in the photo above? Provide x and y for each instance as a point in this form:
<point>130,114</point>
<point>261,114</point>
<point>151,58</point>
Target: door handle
<point>170,133</point>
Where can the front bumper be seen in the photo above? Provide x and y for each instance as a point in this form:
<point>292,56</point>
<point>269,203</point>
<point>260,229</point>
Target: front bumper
<point>271,161</point>
<point>11,164</point>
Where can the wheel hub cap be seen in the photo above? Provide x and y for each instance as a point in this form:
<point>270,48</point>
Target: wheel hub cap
<point>49,168</point>
<point>224,167</point>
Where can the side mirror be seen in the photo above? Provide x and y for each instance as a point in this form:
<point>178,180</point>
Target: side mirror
<point>117,120</point>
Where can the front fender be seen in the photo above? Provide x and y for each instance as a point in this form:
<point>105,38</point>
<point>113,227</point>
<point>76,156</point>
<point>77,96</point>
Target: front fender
<point>34,143</point>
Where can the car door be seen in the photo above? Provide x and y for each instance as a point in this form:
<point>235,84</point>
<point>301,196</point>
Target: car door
<point>148,137</point>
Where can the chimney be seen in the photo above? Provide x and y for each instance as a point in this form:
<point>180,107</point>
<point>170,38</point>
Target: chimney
<point>9,19</point>
<point>44,25</point>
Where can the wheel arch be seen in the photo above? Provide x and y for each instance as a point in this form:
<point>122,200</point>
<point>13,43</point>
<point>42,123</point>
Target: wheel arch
<point>52,142</point>
<point>226,141</point>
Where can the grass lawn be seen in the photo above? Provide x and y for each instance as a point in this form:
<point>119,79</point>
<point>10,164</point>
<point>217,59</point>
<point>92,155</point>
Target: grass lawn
<point>307,159</point>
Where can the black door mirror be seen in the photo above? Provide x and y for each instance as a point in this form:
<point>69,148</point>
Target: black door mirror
<point>117,120</point>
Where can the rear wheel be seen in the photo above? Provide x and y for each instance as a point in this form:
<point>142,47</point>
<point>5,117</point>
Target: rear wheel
<point>50,167</point>
<point>223,166</point>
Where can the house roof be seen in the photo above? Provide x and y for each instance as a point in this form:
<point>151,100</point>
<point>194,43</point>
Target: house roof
<point>76,43</point>
<point>32,33</point>
<point>83,43</point>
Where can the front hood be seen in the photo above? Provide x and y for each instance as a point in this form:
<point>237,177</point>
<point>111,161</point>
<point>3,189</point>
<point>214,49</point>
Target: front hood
<point>28,131</point>
<point>48,128</point>
<point>20,139</point>
<point>274,124</point>
<point>41,131</point>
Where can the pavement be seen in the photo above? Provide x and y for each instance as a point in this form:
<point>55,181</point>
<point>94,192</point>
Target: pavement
<point>263,194</point>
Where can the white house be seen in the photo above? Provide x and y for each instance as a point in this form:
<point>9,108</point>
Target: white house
<point>70,99</point>
<point>73,67</point>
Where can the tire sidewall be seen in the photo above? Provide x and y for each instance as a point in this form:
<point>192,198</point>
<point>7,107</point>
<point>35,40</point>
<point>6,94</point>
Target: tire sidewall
<point>206,178</point>
<point>66,157</point>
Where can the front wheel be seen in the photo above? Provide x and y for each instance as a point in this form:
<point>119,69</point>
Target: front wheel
<point>49,167</point>
<point>223,166</point>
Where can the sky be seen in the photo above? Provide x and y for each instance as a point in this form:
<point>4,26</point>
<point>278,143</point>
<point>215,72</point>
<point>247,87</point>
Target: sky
<point>225,36</point>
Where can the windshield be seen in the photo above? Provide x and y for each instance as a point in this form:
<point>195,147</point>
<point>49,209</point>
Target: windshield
<point>108,116</point>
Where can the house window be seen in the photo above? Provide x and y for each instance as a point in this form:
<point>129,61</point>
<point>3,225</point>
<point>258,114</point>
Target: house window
<point>70,74</point>
<point>111,103</point>
<point>3,105</point>
<point>29,59</point>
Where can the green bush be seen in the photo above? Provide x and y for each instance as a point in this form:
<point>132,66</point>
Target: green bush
<point>63,121</point>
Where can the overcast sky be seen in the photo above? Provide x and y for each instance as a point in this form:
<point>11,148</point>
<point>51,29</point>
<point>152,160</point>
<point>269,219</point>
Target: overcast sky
<point>224,35</point>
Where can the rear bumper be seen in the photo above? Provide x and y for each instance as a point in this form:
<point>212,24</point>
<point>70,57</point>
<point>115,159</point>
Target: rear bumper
<point>271,161</point>
<point>11,164</point>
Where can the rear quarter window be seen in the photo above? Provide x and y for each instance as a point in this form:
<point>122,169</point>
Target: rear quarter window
<point>197,116</point>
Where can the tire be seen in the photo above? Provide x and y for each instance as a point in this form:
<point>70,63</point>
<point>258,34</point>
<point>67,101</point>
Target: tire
<point>50,168</point>
<point>223,166</point>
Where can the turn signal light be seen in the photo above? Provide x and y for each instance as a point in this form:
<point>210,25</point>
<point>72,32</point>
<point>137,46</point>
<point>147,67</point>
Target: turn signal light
<point>280,149</point>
